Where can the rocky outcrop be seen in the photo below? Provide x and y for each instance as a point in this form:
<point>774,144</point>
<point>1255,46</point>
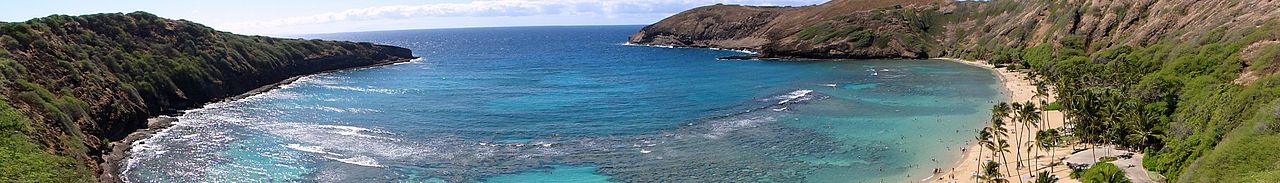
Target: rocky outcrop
<point>85,81</point>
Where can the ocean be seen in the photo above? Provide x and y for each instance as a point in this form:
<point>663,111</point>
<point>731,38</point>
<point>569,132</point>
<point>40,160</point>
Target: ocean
<point>576,104</point>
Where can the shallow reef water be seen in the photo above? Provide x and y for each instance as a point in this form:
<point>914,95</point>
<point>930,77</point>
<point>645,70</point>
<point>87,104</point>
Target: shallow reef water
<point>574,104</point>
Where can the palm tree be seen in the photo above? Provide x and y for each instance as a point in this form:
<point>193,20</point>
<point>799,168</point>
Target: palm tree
<point>991,173</point>
<point>1016,117</point>
<point>1002,146</point>
<point>1000,111</point>
<point>1042,92</point>
<point>1044,177</point>
<point>997,129</point>
<point>1029,118</point>
<point>983,140</point>
<point>1109,175</point>
<point>1143,133</point>
<point>1047,139</point>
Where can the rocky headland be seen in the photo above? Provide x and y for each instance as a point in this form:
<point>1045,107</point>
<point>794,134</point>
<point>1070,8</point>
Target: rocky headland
<point>73,85</point>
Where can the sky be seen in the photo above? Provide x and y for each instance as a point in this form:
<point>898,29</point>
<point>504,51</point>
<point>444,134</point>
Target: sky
<point>294,17</point>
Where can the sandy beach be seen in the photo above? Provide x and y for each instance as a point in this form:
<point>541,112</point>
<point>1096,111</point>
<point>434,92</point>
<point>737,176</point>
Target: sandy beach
<point>1017,88</point>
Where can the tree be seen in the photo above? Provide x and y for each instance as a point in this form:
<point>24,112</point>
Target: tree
<point>1030,119</point>
<point>1047,139</point>
<point>1104,173</point>
<point>991,173</point>
<point>999,133</point>
<point>983,140</point>
<point>1002,146</point>
<point>1143,133</point>
<point>1016,117</point>
<point>1044,177</point>
<point>999,111</point>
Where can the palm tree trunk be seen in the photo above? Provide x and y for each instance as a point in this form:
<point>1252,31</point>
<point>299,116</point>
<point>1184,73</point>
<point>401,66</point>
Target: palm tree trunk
<point>1005,159</point>
<point>1036,144</point>
<point>1021,142</point>
<point>978,178</point>
<point>1051,159</point>
<point>1017,151</point>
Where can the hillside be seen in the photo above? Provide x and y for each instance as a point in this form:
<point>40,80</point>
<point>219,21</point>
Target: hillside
<point>1191,83</point>
<point>838,29</point>
<point>73,84</point>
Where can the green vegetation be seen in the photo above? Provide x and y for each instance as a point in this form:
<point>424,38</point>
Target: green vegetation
<point>1177,102</point>
<point>991,173</point>
<point>1194,97</point>
<point>996,137</point>
<point>1104,173</point>
<point>1105,159</point>
<point>877,29</point>
<point>71,84</point>
<point>1247,154</point>
<point>1053,106</point>
<point>1044,177</point>
<point>26,161</point>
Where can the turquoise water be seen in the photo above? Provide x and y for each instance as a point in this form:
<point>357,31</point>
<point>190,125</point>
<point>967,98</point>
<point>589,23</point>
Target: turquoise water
<point>573,104</point>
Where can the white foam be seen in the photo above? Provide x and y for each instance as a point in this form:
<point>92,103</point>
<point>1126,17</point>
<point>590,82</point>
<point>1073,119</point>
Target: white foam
<point>362,89</point>
<point>736,50</point>
<point>331,109</point>
<point>362,110</point>
<point>310,149</point>
<point>416,60</point>
<point>719,128</point>
<point>792,96</point>
<point>350,131</point>
<point>358,160</point>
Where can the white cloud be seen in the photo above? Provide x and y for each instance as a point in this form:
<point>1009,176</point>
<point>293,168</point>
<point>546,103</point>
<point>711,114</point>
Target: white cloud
<point>502,8</point>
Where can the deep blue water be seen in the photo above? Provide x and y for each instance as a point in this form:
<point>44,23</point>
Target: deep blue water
<point>573,104</point>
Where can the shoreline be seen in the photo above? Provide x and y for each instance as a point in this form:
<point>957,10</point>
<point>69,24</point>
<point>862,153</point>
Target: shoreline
<point>115,161</point>
<point>1015,87</point>
<point>693,47</point>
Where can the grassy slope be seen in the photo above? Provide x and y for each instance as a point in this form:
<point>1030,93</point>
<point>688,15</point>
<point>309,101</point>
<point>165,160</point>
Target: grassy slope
<point>26,161</point>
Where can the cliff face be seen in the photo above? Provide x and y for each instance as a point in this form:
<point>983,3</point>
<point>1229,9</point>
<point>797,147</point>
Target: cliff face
<point>83,81</point>
<point>1198,75</point>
